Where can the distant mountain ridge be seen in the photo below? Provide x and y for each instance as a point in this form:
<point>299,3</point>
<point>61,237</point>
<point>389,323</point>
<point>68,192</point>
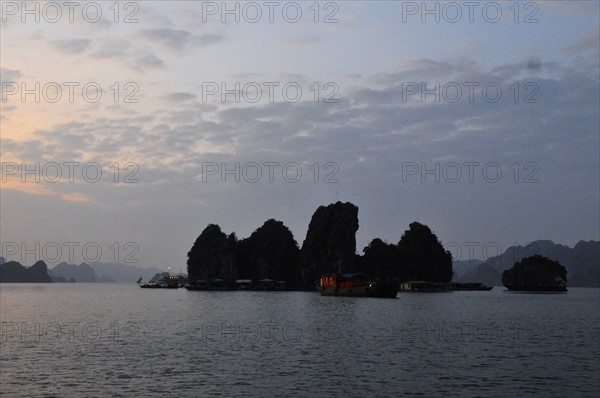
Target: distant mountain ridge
<point>582,263</point>
<point>14,272</point>
<point>78,273</point>
<point>123,273</point>
<point>102,272</point>
<point>462,267</point>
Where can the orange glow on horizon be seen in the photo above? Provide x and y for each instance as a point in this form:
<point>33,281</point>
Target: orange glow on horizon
<point>38,189</point>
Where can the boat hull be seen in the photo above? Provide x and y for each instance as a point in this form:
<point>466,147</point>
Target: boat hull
<point>425,287</point>
<point>475,286</point>
<point>374,290</point>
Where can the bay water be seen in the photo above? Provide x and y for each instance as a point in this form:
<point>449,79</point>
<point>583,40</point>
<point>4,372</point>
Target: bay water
<point>117,340</point>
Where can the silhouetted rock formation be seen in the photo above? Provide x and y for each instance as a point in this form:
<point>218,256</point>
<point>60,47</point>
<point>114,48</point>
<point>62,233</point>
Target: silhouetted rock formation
<point>13,272</point>
<point>330,242</point>
<point>418,256</point>
<point>212,256</point>
<point>271,252</point>
<point>423,257</point>
<point>380,259</point>
<point>536,273</point>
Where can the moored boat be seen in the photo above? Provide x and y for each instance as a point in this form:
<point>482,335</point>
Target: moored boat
<point>356,285</point>
<point>425,287</point>
<point>166,281</point>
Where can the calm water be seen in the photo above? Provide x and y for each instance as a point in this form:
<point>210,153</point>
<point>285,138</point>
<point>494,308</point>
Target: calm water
<point>72,340</point>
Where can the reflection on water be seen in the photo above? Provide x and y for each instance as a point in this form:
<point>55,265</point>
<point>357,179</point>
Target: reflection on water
<point>119,340</point>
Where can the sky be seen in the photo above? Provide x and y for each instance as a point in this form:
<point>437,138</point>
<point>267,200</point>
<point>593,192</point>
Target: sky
<point>127,127</point>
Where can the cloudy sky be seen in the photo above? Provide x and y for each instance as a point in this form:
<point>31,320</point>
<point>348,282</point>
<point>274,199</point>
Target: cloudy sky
<point>128,127</point>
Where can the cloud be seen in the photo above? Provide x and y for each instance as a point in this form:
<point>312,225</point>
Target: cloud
<point>75,197</point>
<point>180,97</point>
<point>171,38</point>
<point>124,51</point>
<point>375,120</point>
<point>30,188</point>
<point>148,61</point>
<point>369,134</point>
<point>590,42</point>
<point>114,48</point>
<point>302,41</point>
<point>577,8</point>
<point>7,108</point>
<point>534,65</point>
<point>9,75</point>
<point>140,57</point>
<point>178,40</point>
<point>75,46</point>
<point>205,40</point>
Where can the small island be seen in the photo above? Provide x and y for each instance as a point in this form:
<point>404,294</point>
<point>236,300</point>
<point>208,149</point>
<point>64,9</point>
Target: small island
<point>536,273</point>
<point>271,259</point>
